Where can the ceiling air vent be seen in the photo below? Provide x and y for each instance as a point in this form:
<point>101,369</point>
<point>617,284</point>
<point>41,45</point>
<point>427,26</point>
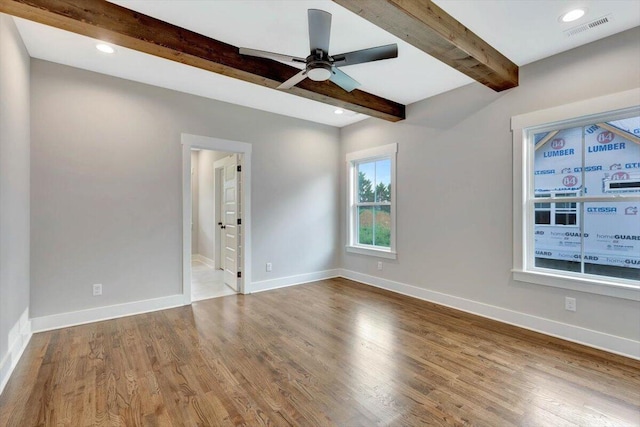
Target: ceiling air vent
<point>588,26</point>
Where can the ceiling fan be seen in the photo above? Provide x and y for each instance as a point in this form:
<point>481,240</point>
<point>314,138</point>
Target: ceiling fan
<point>321,66</point>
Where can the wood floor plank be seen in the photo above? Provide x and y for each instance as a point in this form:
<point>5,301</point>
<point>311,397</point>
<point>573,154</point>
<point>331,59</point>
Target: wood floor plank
<point>330,353</point>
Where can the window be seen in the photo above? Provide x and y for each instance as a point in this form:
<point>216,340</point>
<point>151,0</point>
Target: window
<point>556,214</point>
<point>371,202</point>
<point>577,210</point>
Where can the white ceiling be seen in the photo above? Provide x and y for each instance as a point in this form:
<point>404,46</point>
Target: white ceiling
<point>523,30</point>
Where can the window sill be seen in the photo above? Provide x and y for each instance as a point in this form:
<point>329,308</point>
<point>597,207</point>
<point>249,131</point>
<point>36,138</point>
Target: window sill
<point>600,287</point>
<point>380,253</point>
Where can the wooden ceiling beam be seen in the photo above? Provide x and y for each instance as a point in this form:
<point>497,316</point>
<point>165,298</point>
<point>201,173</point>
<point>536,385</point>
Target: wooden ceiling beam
<point>426,26</point>
<point>111,23</point>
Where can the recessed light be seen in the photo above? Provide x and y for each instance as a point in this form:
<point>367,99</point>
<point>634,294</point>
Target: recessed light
<point>573,15</point>
<point>338,111</point>
<point>105,48</point>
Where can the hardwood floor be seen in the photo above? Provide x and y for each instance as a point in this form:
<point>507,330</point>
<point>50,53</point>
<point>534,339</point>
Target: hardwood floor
<point>330,353</point>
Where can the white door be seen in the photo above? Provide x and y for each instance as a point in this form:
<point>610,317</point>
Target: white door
<point>219,185</point>
<point>230,232</point>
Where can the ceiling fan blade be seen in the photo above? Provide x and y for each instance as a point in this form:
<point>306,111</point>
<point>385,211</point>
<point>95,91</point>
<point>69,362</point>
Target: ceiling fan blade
<point>293,80</point>
<point>319,30</point>
<point>366,55</point>
<point>270,55</point>
<point>343,80</point>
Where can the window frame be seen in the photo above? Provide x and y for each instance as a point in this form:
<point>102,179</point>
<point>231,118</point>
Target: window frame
<point>575,114</point>
<point>383,152</point>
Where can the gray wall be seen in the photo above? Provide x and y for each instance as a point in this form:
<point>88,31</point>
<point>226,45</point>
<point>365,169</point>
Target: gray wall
<point>106,188</point>
<point>455,193</point>
<point>14,181</point>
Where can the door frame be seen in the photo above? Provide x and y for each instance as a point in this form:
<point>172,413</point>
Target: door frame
<point>188,142</point>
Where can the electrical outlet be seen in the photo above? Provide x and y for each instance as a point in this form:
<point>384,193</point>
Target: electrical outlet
<point>269,266</point>
<point>569,304</point>
<point>379,265</point>
<point>97,289</point>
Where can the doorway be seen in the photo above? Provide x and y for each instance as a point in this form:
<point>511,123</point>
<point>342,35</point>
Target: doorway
<point>215,193</point>
<point>216,217</point>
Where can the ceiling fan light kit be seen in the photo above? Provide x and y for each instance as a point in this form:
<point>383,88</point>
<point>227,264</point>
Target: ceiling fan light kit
<point>319,65</point>
<point>320,73</point>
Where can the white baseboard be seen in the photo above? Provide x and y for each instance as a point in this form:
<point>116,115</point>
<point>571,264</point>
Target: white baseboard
<point>600,340</point>
<point>18,339</point>
<point>282,282</point>
<point>63,320</point>
<point>203,259</point>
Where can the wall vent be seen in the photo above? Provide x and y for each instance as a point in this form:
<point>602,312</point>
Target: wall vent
<point>588,26</point>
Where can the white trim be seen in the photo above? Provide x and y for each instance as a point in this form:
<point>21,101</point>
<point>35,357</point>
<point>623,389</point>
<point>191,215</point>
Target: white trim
<point>18,339</point>
<point>282,282</point>
<point>581,284</point>
<point>600,340</point>
<point>215,144</point>
<point>203,259</point>
<point>612,102</point>
<point>380,253</point>
<point>207,143</point>
<point>73,318</point>
<point>370,153</point>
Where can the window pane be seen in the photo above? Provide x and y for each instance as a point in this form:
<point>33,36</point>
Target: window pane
<point>566,218</point>
<point>630,125</point>
<point>611,159</point>
<point>365,225</point>
<point>382,226</point>
<point>612,239</point>
<point>557,264</point>
<point>543,217</point>
<point>370,200</point>
<point>383,181</point>
<point>565,205</point>
<point>558,161</point>
<point>542,210</point>
<point>366,179</point>
<point>598,160</point>
<point>558,246</point>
